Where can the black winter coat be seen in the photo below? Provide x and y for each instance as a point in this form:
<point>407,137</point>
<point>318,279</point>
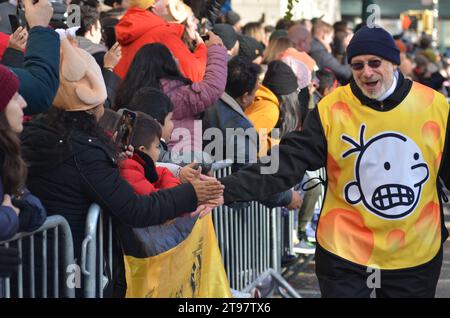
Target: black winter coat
<point>68,174</point>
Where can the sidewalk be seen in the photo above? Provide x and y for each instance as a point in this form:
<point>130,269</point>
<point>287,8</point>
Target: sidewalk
<point>308,287</point>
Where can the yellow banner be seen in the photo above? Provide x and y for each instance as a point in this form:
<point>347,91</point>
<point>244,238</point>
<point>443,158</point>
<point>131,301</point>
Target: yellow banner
<point>192,269</point>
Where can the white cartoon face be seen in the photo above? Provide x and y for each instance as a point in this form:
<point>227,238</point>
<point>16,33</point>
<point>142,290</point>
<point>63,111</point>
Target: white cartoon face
<point>390,172</point>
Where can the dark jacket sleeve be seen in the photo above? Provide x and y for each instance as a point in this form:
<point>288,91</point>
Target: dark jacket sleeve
<point>99,58</point>
<point>278,199</point>
<point>191,100</point>
<point>444,171</point>
<point>13,58</point>
<point>39,78</point>
<point>341,71</point>
<point>325,59</point>
<point>9,221</point>
<point>32,212</point>
<point>329,61</point>
<point>104,185</point>
<point>297,152</point>
<point>112,82</point>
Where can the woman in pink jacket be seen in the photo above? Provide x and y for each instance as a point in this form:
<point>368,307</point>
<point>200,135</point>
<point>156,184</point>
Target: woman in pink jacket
<point>155,66</point>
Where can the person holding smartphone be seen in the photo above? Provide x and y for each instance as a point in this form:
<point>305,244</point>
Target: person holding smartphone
<point>15,51</point>
<point>39,76</point>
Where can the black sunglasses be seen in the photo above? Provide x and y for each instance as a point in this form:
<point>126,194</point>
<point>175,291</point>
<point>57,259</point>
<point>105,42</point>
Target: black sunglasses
<point>358,66</point>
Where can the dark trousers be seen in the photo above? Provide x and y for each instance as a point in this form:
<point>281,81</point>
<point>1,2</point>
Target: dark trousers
<point>339,278</point>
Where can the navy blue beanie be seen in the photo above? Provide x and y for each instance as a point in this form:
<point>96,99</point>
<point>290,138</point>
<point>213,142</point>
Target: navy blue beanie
<point>373,41</point>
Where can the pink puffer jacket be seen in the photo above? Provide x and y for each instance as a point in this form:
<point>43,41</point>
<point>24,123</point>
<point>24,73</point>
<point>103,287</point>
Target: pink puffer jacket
<point>191,100</point>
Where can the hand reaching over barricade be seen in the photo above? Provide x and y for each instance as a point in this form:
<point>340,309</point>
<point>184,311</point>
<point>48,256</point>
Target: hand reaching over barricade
<point>190,172</point>
<point>207,189</point>
<point>296,201</point>
<point>204,209</point>
<point>207,207</point>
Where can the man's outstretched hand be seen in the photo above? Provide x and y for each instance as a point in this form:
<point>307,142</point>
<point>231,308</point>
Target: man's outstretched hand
<point>207,189</point>
<point>204,209</point>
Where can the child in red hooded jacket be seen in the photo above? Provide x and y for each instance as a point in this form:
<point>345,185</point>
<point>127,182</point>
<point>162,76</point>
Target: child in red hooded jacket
<point>140,170</point>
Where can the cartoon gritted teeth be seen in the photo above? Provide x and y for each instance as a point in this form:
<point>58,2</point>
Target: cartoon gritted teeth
<point>390,172</point>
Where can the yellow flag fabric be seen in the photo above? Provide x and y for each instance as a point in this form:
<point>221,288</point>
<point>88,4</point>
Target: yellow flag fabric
<point>192,269</point>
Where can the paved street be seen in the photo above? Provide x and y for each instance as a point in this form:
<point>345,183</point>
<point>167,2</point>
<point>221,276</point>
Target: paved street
<point>307,285</point>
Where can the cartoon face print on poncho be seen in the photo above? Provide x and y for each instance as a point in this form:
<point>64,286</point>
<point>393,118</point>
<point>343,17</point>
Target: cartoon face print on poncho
<point>390,172</point>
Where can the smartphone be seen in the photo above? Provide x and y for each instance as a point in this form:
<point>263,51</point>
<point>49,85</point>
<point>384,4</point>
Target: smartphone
<point>125,129</point>
<point>14,22</point>
<point>205,37</point>
<point>203,28</point>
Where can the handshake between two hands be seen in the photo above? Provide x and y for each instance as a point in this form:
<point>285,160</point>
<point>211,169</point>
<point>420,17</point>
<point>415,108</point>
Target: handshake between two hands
<point>209,193</point>
<point>209,190</point>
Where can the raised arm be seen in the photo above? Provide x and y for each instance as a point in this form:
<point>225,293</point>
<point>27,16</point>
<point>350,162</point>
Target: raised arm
<point>39,78</point>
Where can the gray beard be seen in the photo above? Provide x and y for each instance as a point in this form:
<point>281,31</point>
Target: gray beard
<point>384,89</point>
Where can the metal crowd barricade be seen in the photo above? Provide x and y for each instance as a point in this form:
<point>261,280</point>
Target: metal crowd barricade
<point>300,267</point>
<point>95,274</point>
<point>288,225</point>
<point>288,222</point>
<point>249,238</point>
<point>58,226</point>
<point>250,242</point>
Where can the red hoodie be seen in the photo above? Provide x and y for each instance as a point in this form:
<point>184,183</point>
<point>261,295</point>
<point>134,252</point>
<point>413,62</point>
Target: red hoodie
<point>132,170</point>
<point>139,27</point>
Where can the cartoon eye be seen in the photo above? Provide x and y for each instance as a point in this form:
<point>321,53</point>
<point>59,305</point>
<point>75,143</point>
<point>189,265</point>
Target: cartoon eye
<point>416,156</point>
<point>387,166</point>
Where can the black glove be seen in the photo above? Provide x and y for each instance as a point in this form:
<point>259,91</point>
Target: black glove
<point>9,261</point>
